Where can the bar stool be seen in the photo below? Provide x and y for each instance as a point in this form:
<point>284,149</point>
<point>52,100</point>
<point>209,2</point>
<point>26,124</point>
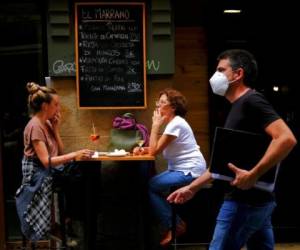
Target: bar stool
<point>59,218</point>
<point>24,244</point>
<point>200,195</point>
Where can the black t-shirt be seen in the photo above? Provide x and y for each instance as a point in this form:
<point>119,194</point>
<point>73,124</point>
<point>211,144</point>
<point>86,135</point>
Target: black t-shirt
<point>253,113</point>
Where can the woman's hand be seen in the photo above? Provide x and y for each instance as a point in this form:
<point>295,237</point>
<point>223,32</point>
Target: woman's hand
<point>55,121</point>
<point>83,154</point>
<point>139,151</point>
<point>157,118</point>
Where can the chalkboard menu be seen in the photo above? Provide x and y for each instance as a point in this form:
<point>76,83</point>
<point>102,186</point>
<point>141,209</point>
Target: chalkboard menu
<point>110,55</point>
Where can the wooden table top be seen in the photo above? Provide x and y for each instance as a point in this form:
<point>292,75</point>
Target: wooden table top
<point>129,157</point>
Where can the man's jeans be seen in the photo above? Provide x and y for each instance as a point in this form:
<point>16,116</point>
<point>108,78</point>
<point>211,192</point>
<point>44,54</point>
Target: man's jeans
<point>159,188</point>
<point>239,224</point>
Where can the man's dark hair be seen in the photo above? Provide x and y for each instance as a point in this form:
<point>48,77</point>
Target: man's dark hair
<point>240,58</point>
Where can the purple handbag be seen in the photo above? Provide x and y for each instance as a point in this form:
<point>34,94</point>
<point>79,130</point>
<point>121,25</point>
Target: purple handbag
<point>127,121</point>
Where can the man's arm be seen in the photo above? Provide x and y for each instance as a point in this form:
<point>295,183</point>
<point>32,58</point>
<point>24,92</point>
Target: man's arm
<point>280,146</point>
<point>186,193</point>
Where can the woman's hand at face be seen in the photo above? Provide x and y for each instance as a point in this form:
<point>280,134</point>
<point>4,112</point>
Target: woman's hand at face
<point>157,118</point>
<point>56,120</point>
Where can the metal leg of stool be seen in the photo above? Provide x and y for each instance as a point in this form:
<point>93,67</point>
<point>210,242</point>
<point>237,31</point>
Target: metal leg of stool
<point>24,242</point>
<point>174,238</point>
<point>32,245</point>
<point>62,218</point>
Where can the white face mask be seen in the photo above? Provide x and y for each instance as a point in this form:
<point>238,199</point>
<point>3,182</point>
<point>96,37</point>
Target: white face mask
<point>219,83</point>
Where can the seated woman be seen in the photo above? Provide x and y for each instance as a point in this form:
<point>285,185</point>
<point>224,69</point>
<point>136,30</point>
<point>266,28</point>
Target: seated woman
<point>179,148</point>
<point>43,150</point>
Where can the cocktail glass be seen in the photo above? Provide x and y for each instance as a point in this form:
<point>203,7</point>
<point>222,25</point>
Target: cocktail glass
<point>95,137</point>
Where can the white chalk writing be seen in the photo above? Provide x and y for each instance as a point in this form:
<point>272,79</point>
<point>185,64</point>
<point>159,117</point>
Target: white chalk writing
<point>134,87</point>
<point>152,64</point>
<point>59,67</point>
<point>114,87</point>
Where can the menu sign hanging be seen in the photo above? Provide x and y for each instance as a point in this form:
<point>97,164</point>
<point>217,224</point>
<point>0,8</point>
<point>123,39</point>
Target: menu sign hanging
<point>110,55</point>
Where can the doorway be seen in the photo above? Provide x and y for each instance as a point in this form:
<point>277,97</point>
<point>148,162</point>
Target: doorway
<point>22,57</point>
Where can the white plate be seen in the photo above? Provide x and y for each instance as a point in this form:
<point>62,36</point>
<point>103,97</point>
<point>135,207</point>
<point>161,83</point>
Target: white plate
<point>117,153</point>
<point>97,154</point>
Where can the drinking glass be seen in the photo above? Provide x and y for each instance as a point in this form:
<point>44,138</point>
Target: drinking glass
<point>140,142</point>
<point>95,137</point>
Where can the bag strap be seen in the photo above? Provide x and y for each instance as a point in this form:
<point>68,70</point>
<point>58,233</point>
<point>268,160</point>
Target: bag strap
<point>49,161</point>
